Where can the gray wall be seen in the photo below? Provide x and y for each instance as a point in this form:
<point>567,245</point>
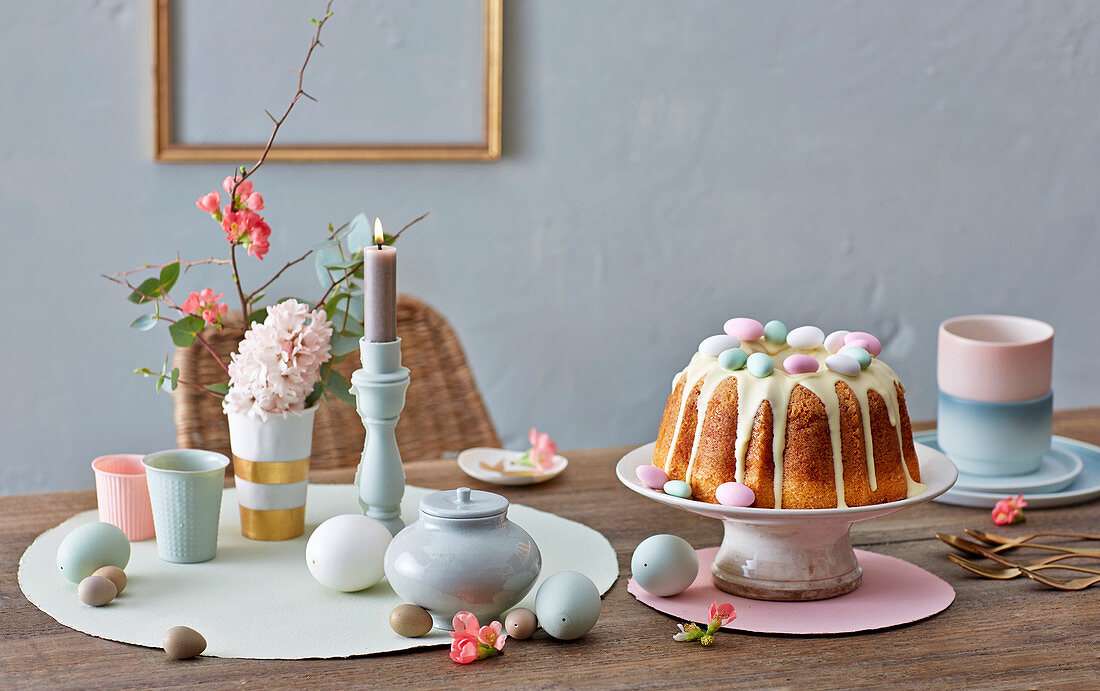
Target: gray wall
<point>880,165</point>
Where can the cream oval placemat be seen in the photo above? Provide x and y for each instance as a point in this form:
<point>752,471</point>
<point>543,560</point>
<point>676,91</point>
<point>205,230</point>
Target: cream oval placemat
<point>258,600</point>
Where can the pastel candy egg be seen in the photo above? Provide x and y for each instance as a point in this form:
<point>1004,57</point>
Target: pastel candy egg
<point>651,476</point>
<point>90,547</point>
<point>805,337</point>
<point>859,354</point>
<point>800,364</point>
<point>759,365</point>
<point>842,363</point>
<point>775,331</point>
<point>872,345</point>
<point>835,341</point>
<point>733,359</point>
<point>744,328</point>
<point>678,488</point>
<point>567,605</point>
<point>734,494</point>
<point>664,565</point>
<point>713,345</point>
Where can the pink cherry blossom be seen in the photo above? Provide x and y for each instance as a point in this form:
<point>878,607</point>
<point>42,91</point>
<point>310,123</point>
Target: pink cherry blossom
<point>464,649</point>
<point>254,201</point>
<point>491,636</point>
<point>205,304</point>
<point>470,641</point>
<point>1010,510</point>
<point>465,622</point>
<point>542,449</point>
<point>719,614</point>
<point>210,202</point>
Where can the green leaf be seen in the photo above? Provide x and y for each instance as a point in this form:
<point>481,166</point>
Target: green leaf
<point>168,276</point>
<point>360,234</point>
<point>184,331</point>
<point>257,316</point>
<point>175,378</point>
<point>337,385</point>
<point>342,345</point>
<point>218,388</point>
<point>148,290</point>
<point>144,322</point>
<point>321,259</point>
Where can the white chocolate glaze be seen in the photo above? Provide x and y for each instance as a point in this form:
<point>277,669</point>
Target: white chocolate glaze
<point>776,389</point>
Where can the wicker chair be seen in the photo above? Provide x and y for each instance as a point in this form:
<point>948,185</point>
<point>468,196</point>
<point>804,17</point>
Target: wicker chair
<point>443,409</point>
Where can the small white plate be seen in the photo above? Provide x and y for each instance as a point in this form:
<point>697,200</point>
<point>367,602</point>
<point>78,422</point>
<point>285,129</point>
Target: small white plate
<point>484,464</point>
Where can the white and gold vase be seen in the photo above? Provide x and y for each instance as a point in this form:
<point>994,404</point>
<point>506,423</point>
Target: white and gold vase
<point>271,469</point>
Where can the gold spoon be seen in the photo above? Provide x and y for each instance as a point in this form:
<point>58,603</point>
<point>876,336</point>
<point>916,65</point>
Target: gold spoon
<point>1008,543</point>
<point>1062,583</point>
<point>1009,572</point>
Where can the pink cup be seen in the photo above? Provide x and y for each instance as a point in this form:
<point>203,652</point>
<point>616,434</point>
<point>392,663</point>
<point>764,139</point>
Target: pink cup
<point>995,358</point>
<point>123,495</point>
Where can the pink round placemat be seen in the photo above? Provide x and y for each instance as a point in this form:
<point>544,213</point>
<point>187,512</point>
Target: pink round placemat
<point>893,592</point>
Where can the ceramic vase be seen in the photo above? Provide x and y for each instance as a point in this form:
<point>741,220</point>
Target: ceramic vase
<point>271,470</point>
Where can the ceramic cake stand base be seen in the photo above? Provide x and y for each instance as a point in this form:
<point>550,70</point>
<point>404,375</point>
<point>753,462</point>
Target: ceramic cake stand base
<point>789,554</point>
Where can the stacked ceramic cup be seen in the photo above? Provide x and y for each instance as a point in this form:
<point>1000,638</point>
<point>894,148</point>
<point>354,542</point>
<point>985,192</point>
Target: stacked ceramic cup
<point>996,404</point>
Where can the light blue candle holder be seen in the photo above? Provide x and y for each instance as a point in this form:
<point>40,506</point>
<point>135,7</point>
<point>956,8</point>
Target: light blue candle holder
<point>379,388</point>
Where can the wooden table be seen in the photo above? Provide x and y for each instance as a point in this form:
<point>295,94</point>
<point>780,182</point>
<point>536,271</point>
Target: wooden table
<point>1012,634</point>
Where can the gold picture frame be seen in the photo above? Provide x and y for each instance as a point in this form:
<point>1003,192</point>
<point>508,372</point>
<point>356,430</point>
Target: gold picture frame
<point>488,149</point>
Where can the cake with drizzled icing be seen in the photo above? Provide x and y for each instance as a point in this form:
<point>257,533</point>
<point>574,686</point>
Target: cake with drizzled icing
<point>803,420</point>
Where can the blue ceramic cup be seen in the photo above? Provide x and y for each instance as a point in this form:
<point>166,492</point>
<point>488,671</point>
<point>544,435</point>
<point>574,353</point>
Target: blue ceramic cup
<point>185,486</point>
<point>995,438</point>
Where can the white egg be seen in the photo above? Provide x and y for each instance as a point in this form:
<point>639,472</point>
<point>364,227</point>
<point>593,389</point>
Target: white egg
<point>346,552</point>
<point>664,565</point>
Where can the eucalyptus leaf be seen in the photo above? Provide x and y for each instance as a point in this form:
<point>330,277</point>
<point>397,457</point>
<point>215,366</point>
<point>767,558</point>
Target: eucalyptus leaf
<point>183,332</point>
<point>218,388</point>
<point>257,316</point>
<point>321,259</point>
<point>144,322</point>
<point>360,233</point>
<point>168,276</point>
<point>337,385</point>
<point>148,290</point>
<point>342,345</point>
<point>175,378</point>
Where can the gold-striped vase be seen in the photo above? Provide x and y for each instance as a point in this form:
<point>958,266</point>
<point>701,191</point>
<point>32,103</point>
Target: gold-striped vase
<point>271,469</point>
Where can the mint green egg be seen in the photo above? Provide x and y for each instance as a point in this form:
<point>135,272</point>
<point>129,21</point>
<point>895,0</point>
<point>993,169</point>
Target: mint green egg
<point>732,359</point>
<point>858,354</point>
<point>678,488</point>
<point>760,365</point>
<point>90,547</point>
<point>775,331</point>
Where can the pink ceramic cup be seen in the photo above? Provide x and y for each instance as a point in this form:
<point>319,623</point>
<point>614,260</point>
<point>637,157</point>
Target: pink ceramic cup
<point>123,495</point>
<point>995,358</point>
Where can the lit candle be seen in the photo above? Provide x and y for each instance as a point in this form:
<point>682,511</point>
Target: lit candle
<point>380,284</point>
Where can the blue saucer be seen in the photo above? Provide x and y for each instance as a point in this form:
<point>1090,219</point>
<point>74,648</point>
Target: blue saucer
<point>1057,470</point>
<point>1085,487</point>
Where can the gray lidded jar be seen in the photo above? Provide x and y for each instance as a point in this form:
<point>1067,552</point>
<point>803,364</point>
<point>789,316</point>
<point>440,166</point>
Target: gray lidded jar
<point>463,554</point>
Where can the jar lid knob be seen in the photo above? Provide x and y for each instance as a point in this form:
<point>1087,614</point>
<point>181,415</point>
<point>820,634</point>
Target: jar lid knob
<point>463,495</point>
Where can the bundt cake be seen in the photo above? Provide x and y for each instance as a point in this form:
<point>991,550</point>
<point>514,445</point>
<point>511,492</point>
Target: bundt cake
<point>804,421</point>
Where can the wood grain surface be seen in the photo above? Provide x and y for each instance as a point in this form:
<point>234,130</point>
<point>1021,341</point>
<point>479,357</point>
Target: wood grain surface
<point>1012,634</point>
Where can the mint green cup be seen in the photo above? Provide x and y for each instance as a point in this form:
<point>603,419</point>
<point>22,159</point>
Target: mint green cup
<point>185,486</point>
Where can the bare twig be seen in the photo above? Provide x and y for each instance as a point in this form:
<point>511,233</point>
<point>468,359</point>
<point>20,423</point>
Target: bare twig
<point>185,265</point>
<point>410,223</point>
<point>278,273</point>
<point>237,281</point>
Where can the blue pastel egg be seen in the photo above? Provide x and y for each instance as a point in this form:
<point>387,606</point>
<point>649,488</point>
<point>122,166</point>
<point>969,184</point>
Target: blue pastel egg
<point>732,359</point>
<point>567,605</point>
<point>664,565</point>
<point>775,331</point>
<point>858,354</point>
<point>760,365</point>
<point>678,488</point>
<point>90,547</point>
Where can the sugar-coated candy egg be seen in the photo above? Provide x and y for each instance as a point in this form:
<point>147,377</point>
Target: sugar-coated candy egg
<point>775,331</point>
<point>651,476</point>
<point>410,621</point>
<point>664,565</point>
<point>346,552</point>
<point>800,364</point>
<point>835,341</point>
<point>713,345</point>
<point>842,363</point>
<point>183,643</point>
<point>520,623</point>
<point>678,488</point>
<point>96,591</point>
<point>744,328</point>
<point>805,337</point>
<point>732,359</point>
<point>734,494</point>
<point>115,575</point>
<point>872,345</point>
<point>89,547</point>
<point>567,605</point>
<point>858,354</point>
<point>760,365</point>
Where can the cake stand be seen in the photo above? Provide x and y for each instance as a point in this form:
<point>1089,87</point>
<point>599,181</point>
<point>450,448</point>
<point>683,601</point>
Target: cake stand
<point>789,554</point>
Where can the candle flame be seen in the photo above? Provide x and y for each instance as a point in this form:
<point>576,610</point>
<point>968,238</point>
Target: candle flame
<point>379,236</point>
